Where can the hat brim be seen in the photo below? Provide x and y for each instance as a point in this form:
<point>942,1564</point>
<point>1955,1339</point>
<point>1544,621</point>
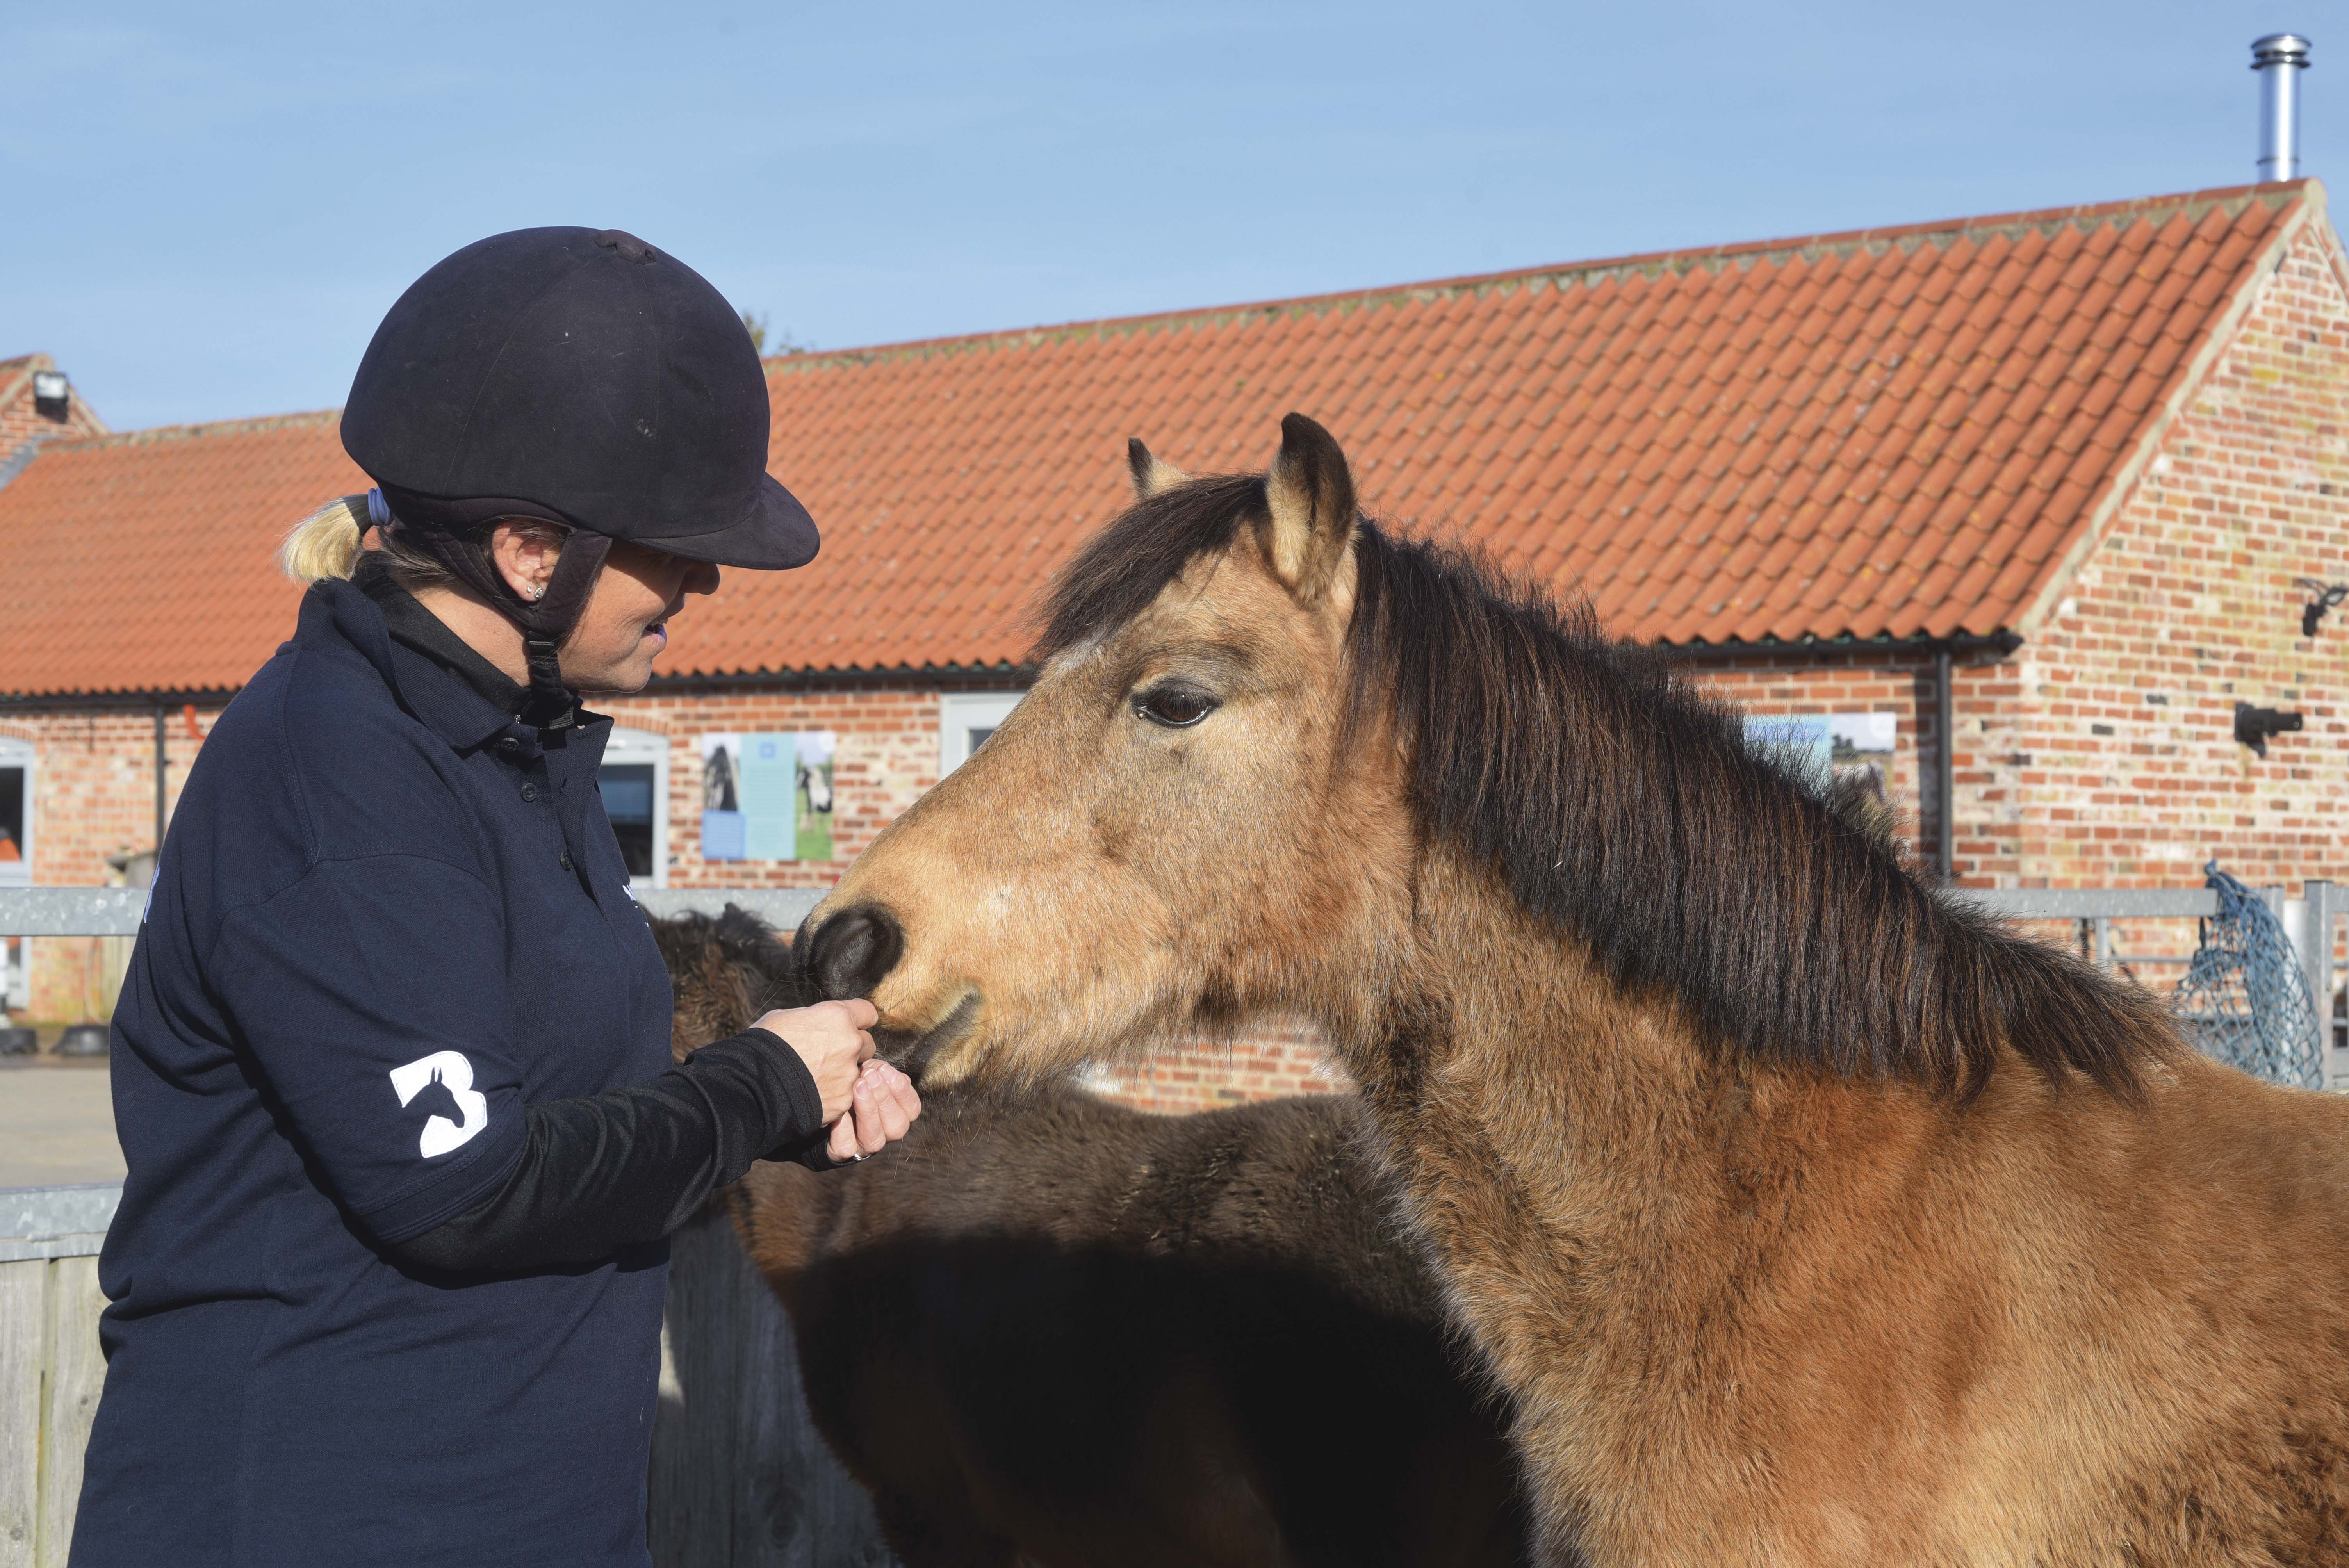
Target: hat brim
<point>777,535</point>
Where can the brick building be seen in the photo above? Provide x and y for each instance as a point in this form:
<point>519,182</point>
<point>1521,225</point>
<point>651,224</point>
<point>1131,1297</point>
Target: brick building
<point>2024,502</point>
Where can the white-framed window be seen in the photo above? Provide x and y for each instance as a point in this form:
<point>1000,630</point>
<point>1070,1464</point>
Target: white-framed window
<point>966,718</point>
<point>16,768</point>
<point>15,812</point>
<point>634,783</point>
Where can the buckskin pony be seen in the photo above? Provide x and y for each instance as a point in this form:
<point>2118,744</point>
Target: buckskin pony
<point>1809,1217</point>
<point>1046,1329</point>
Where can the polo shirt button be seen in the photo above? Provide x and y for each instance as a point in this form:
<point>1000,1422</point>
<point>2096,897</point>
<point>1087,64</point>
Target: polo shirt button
<point>530,791</point>
<point>509,746</point>
<point>567,860</point>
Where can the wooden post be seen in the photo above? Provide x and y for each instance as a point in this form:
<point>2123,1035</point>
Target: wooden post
<point>740,1477</point>
<point>2321,903</point>
<point>77,1375</point>
<point>51,1370</point>
<point>24,1329</point>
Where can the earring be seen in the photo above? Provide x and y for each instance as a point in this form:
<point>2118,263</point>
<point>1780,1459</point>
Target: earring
<point>537,593</point>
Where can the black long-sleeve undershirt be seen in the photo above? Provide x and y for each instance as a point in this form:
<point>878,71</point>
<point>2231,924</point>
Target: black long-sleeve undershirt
<point>604,1172</point>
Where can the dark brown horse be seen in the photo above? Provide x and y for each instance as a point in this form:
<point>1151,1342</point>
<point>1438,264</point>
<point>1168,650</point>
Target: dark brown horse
<point>1809,1219</point>
<point>1050,1327</point>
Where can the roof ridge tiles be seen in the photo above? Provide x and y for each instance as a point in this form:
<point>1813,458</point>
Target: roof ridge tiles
<point>2236,201</point>
<point>156,434</point>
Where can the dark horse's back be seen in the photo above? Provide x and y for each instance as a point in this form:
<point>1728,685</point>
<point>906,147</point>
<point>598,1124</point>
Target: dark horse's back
<point>1105,1337</point>
<point>1049,1327</point>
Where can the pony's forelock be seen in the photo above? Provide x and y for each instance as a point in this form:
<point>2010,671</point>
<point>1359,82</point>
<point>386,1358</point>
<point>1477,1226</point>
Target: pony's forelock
<point>1130,563</point>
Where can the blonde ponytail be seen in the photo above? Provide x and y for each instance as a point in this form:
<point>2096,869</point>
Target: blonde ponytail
<point>326,542</point>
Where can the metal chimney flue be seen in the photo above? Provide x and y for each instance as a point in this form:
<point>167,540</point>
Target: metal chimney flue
<point>2279,58</point>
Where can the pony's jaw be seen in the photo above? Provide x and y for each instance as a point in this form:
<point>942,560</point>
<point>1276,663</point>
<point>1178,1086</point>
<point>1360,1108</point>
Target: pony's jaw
<point>1003,973</point>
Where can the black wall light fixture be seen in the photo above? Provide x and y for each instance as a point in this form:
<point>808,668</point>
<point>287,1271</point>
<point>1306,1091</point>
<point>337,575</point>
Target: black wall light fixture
<point>50,392</point>
<point>2326,597</point>
<point>2254,724</point>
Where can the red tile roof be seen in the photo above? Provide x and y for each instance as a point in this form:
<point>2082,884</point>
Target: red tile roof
<point>147,562</point>
<point>1896,432</point>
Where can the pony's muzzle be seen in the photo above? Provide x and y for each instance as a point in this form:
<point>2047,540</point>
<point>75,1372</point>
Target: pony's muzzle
<point>851,953</point>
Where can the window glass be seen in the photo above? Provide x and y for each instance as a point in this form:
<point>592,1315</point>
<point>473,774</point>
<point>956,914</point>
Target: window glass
<point>965,720</point>
<point>16,826</point>
<point>634,780</point>
<point>628,801</point>
<point>12,814</point>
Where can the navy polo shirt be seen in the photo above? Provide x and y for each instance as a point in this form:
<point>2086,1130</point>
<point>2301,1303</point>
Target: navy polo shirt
<point>388,917</point>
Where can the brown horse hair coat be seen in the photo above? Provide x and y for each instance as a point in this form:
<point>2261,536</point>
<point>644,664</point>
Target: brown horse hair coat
<point>1046,1328</point>
<point>1808,1219</point>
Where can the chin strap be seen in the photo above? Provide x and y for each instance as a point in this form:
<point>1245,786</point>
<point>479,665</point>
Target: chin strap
<point>543,622</point>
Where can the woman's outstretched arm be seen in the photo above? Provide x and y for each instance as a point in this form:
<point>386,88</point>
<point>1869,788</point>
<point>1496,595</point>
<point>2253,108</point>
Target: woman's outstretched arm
<point>601,1172</point>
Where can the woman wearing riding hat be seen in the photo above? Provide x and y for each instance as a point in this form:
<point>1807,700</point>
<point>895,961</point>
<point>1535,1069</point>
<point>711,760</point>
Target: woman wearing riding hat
<point>392,1060</point>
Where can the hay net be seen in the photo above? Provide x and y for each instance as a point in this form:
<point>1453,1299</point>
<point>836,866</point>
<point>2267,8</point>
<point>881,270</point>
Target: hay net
<point>2245,999</point>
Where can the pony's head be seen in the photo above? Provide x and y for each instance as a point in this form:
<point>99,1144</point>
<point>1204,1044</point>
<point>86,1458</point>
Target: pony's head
<point>1158,837</point>
<point>1272,749</point>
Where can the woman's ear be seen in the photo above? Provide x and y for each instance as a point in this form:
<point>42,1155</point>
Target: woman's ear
<point>525,554</point>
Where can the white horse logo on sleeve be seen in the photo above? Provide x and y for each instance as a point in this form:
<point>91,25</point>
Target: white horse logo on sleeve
<point>454,1074</point>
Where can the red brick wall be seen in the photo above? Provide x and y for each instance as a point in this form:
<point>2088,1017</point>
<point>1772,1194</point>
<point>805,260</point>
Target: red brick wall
<point>93,796</point>
<point>1276,1057</point>
<point>2103,752</point>
<point>887,755</point>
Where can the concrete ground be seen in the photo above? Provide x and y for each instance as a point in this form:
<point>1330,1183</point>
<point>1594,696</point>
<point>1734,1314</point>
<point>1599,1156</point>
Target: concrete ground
<point>56,1122</point>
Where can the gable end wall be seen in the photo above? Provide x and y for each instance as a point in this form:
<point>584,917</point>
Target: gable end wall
<point>2103,754</point>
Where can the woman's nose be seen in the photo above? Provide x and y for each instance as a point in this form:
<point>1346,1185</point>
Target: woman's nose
<point>702,577</point>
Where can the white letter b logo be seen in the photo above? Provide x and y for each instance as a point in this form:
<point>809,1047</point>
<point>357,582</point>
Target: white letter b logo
<point>454,1073</point>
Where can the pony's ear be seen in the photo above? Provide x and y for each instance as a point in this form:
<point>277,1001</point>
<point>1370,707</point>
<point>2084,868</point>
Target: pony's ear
<point>1311,495</point>
<point>1151,477</point>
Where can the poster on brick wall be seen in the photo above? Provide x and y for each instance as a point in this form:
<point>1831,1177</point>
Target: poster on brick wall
<point>767,796</point>
<point>1828,747</point>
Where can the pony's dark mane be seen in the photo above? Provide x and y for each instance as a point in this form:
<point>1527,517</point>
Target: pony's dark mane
<point>1688,864</point>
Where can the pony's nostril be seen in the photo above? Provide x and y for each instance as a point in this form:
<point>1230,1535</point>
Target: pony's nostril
<point>850,954</point>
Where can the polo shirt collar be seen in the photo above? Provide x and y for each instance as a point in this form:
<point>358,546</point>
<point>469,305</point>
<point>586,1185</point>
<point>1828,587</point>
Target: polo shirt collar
<point>409,623</point>
<point>440,698</point>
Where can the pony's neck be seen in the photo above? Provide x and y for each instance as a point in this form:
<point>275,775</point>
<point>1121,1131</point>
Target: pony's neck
<point>1509,1059</point>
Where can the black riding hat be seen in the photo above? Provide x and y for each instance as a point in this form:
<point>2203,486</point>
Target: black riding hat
<point>580,376</point>
<point>583,377</point>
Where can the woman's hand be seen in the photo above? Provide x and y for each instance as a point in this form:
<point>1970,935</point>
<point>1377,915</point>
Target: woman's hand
<point>867,1103</point>
<point>885,1105</point>
<point>831,1037</point>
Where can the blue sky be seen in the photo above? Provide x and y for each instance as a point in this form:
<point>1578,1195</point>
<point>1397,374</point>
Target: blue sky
<point>213,206</point>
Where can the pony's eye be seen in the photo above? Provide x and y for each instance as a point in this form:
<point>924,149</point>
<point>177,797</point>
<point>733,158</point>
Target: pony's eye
<point>1175,707</point>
